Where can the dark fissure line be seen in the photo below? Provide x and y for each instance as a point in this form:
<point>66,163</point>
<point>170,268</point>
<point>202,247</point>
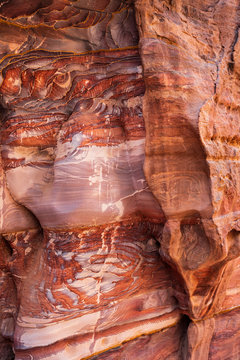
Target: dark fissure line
<point>235,39</point>
<point>184,325</point>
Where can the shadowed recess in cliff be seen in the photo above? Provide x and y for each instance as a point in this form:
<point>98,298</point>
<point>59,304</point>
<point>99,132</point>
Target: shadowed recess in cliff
<point>8,302</point>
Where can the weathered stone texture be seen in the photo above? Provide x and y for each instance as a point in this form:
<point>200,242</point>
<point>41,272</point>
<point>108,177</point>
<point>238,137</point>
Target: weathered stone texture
<point>119,180</point>
<point>190,109</point>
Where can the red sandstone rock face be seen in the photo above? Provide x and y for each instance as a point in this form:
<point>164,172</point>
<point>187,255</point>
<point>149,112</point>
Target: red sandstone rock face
<point>119,180</point>
<point>190,74</point>
<point>85,263</point>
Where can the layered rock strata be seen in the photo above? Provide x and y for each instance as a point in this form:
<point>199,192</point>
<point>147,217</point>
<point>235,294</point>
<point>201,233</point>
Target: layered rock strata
<point>119,180</point>
<point>78,217</point>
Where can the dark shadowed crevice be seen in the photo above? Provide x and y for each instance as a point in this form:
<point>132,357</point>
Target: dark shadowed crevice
<point>8,302</point>
<point>231,61</point>
<point>6,352</point>
<point>184,325</point>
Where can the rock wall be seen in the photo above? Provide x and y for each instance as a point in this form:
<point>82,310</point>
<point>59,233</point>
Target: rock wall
<point>189,52</point>
<point>119,211</point>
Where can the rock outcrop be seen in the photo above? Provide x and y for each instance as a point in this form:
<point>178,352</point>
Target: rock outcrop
<point>189,52</point>
<point>119,175</point>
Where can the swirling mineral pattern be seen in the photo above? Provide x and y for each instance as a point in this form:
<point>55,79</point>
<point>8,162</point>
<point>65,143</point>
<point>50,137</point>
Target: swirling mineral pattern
<point>78,219</point>
<point>119,180</point>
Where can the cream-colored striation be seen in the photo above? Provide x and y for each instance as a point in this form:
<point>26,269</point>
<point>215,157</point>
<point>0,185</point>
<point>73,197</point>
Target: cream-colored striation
<point>33,332</point>
<point>10,210</point>
<point>91,346</point>
<point>103,184</point>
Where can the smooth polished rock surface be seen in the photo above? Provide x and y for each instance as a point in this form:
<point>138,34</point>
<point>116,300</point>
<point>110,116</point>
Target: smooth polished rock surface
<point>119,180</point>
<point>190,60</point>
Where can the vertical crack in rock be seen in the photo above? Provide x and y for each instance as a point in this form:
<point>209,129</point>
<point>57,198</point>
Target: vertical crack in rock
<point>8,303</point>
<point>184,323</point>
<point>198,340</point>
<point>235,40</point>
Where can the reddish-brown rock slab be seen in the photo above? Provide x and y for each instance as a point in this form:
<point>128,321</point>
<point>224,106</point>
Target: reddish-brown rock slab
<point>162,345</point>
<point>217,338</point>
<point>225,343</point>
<point>65,25</point>
<point>232,295</point>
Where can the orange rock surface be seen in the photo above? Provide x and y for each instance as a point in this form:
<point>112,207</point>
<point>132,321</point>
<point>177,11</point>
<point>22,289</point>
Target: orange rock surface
<point>119,180</point>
